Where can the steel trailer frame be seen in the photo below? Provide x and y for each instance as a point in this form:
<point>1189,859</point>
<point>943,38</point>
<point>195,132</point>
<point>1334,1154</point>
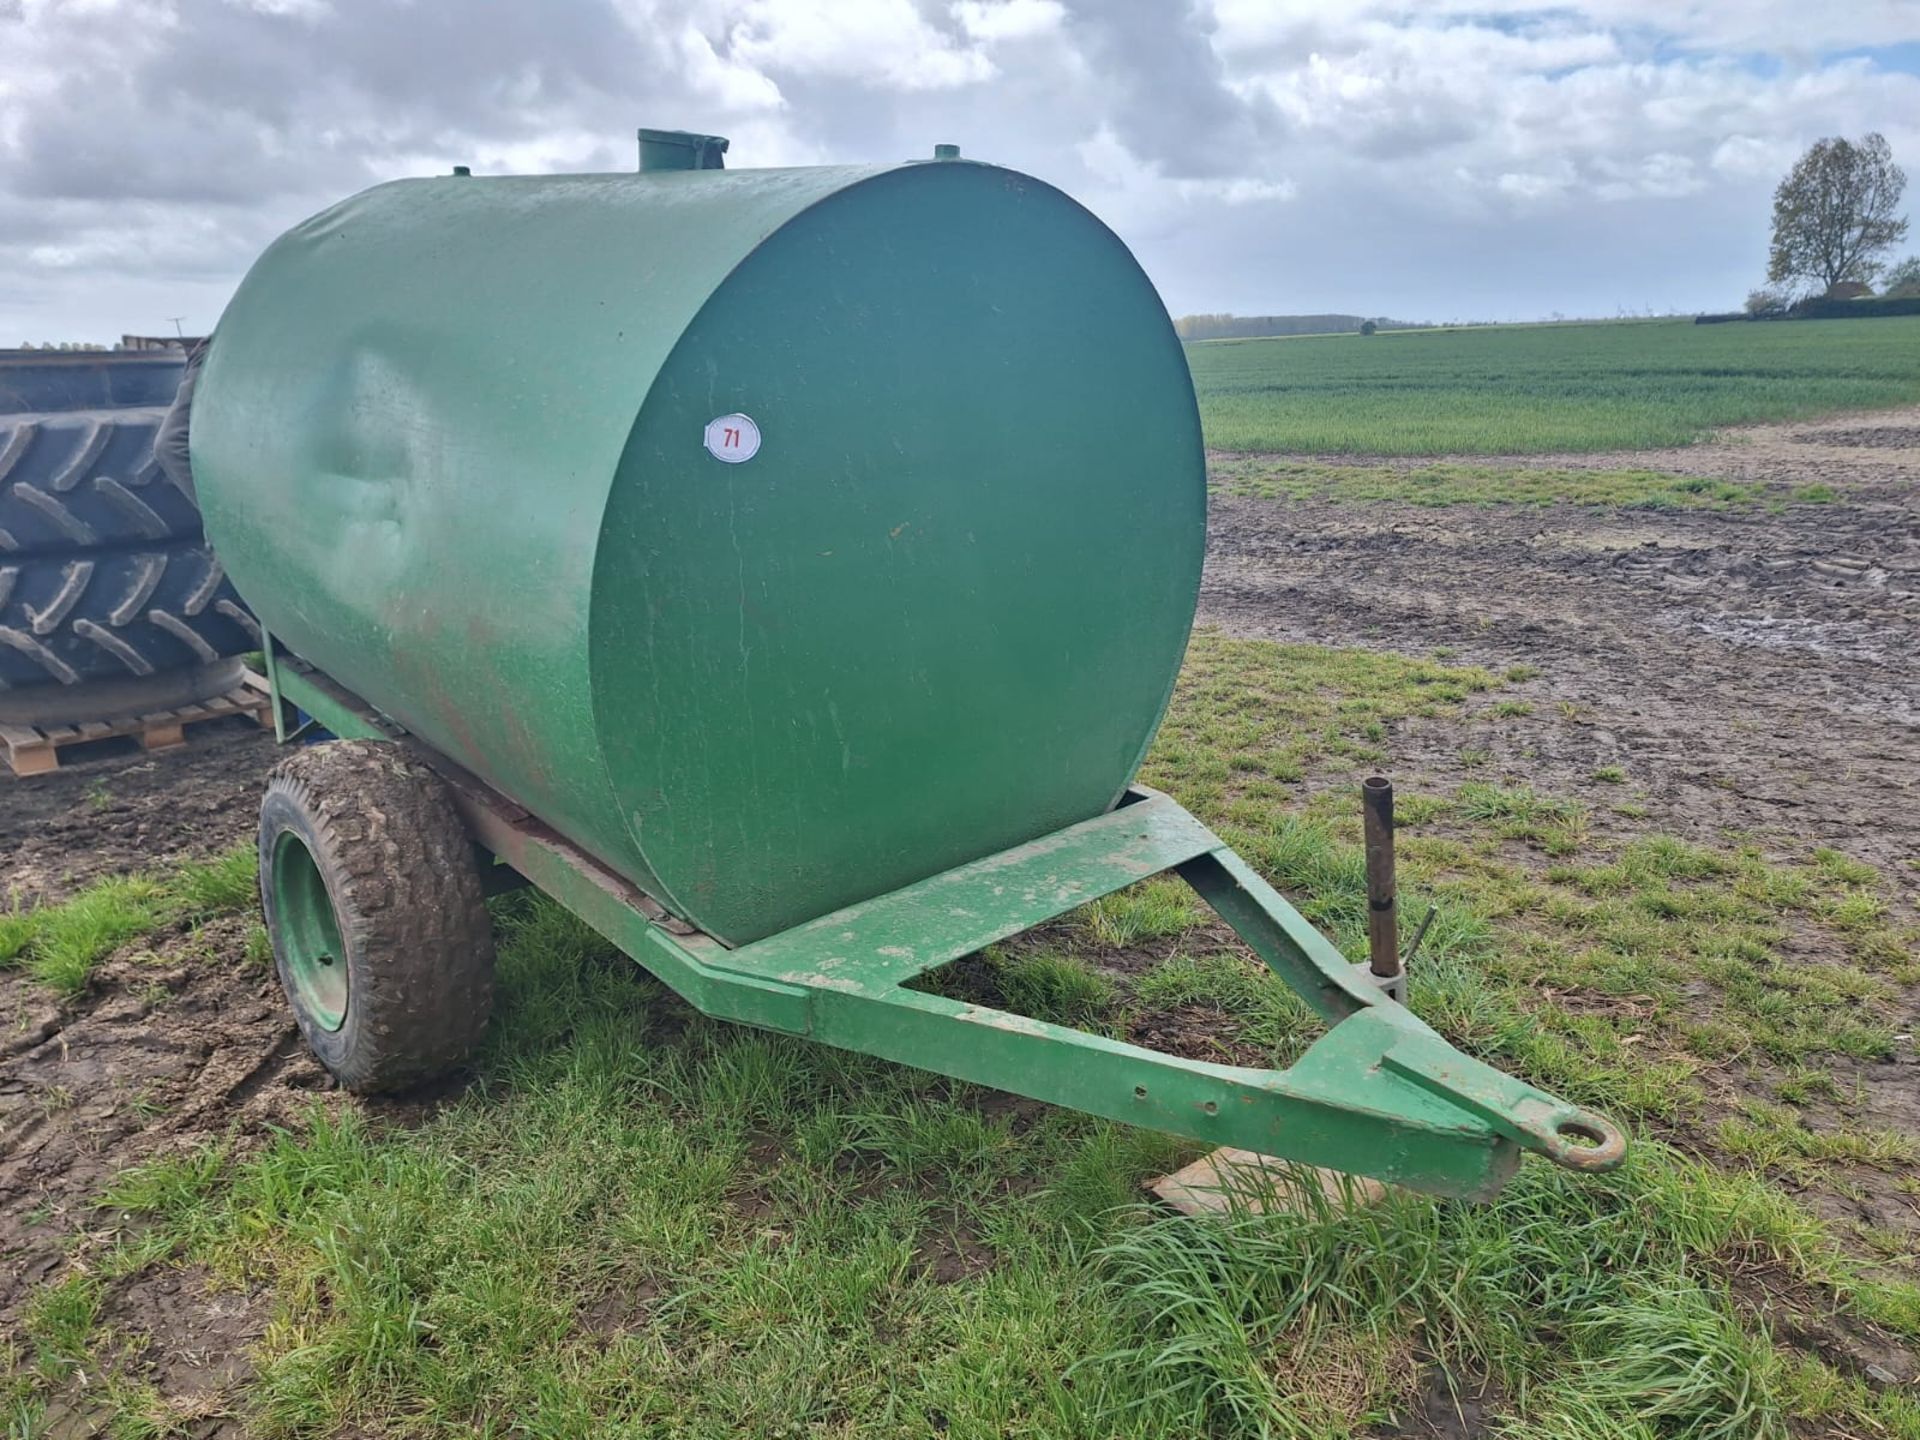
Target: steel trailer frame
<point>1379,1094</point>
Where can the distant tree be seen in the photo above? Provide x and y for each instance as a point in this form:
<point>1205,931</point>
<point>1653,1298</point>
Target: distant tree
<point>1367,327</point>
<point>1248,327</point>
<point>1903,280</point>
<point>1836,212</point>
<point>1769,300</point>
<point>1200,327</point>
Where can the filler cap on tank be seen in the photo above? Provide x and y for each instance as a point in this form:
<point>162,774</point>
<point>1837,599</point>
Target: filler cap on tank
<point>681,150</point>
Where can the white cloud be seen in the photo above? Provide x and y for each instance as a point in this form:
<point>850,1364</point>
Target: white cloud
<point>1008,19</point>
<point>1458,157</point>
<point>1747,157</point>
<point>299,9</point>
<point>878,42</point>
<point>1747,26</point>
<point>1556,115</point>
<point>1240,190</point>
<point>1531,185</point>
<point>732,83</point>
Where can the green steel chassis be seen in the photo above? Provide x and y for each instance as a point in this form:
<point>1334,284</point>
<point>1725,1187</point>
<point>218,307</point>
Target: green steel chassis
<point>1379,1094</point>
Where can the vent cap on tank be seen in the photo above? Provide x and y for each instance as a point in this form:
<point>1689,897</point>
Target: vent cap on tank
<point>681,150</point>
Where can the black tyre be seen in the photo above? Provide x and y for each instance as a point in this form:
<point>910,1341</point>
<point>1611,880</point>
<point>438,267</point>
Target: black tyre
<point>81,481</point>
<point>104,571</point>
<point>373,903</point>
<point>112,614</point>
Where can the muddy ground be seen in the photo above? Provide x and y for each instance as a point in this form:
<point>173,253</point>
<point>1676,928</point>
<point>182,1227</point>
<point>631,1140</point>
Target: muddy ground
<point>1753,672</point>
<point>113,808</point>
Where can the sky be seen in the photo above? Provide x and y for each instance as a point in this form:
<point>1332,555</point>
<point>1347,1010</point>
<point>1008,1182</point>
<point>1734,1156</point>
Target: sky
<point>1452,160</point>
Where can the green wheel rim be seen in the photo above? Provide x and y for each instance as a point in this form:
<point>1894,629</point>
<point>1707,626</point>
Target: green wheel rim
<point>310,948</point>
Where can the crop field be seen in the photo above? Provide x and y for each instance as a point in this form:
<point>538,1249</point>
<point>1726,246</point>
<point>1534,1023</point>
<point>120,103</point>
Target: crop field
<point>1651,715</point>
<point>1504,390</point>
<point>1274,477</point>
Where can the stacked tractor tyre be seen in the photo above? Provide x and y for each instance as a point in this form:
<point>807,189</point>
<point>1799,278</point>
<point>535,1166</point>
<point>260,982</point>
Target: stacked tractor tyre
<point>106,580</point>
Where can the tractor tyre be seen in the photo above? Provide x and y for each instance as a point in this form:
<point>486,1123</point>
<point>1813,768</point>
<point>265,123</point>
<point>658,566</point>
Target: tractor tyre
<point>105,573</point>
<point>69,618</point>
<point>87,480</point>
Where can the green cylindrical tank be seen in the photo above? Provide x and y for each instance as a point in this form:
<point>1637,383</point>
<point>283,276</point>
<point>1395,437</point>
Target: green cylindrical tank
<point>781,537</point>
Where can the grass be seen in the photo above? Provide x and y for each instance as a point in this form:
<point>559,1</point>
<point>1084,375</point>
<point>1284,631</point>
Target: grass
<point>1269,478</point>
<point>1667,961</point>
<point>1267,1016</point>
<point>641,1222</point>
<point>1592,1325</point>
<point>60,945</point>
<point>1533,389</point>
<point>1251,719</point>
<point>1776,1137</point>
<point>1052,987</point>
<point>59,1322</point>
<point>636,1221</point>
<point>66,941</point>
<point>228,882</point>
<point>1152,910</point>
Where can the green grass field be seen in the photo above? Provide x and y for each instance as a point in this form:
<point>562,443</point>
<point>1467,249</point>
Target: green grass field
<point>1543,388</point>
<point>1269,477</point>
<point>640,1223</point>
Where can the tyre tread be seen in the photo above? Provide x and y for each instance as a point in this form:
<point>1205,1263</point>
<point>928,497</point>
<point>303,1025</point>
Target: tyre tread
<point>406,892</point>
<point>110,614</point>
<point>68,482</point>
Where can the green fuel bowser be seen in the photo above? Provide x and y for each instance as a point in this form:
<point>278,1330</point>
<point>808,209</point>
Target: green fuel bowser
<point>786,570</point>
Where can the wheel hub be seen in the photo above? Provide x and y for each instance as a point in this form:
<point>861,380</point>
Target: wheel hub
<point>313,958</point>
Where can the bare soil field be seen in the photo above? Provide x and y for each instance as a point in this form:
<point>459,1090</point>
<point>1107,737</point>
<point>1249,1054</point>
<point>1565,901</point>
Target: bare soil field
<point>1743,674</point>
<point>1753,669</point>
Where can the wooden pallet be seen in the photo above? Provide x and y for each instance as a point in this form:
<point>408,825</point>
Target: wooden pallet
<point>34,750</point>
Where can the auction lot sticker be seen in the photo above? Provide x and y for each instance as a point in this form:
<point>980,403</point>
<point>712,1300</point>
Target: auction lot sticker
<point>733,438</point>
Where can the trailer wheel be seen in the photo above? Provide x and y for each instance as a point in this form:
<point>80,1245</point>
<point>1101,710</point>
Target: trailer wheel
<point>373,903</point>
